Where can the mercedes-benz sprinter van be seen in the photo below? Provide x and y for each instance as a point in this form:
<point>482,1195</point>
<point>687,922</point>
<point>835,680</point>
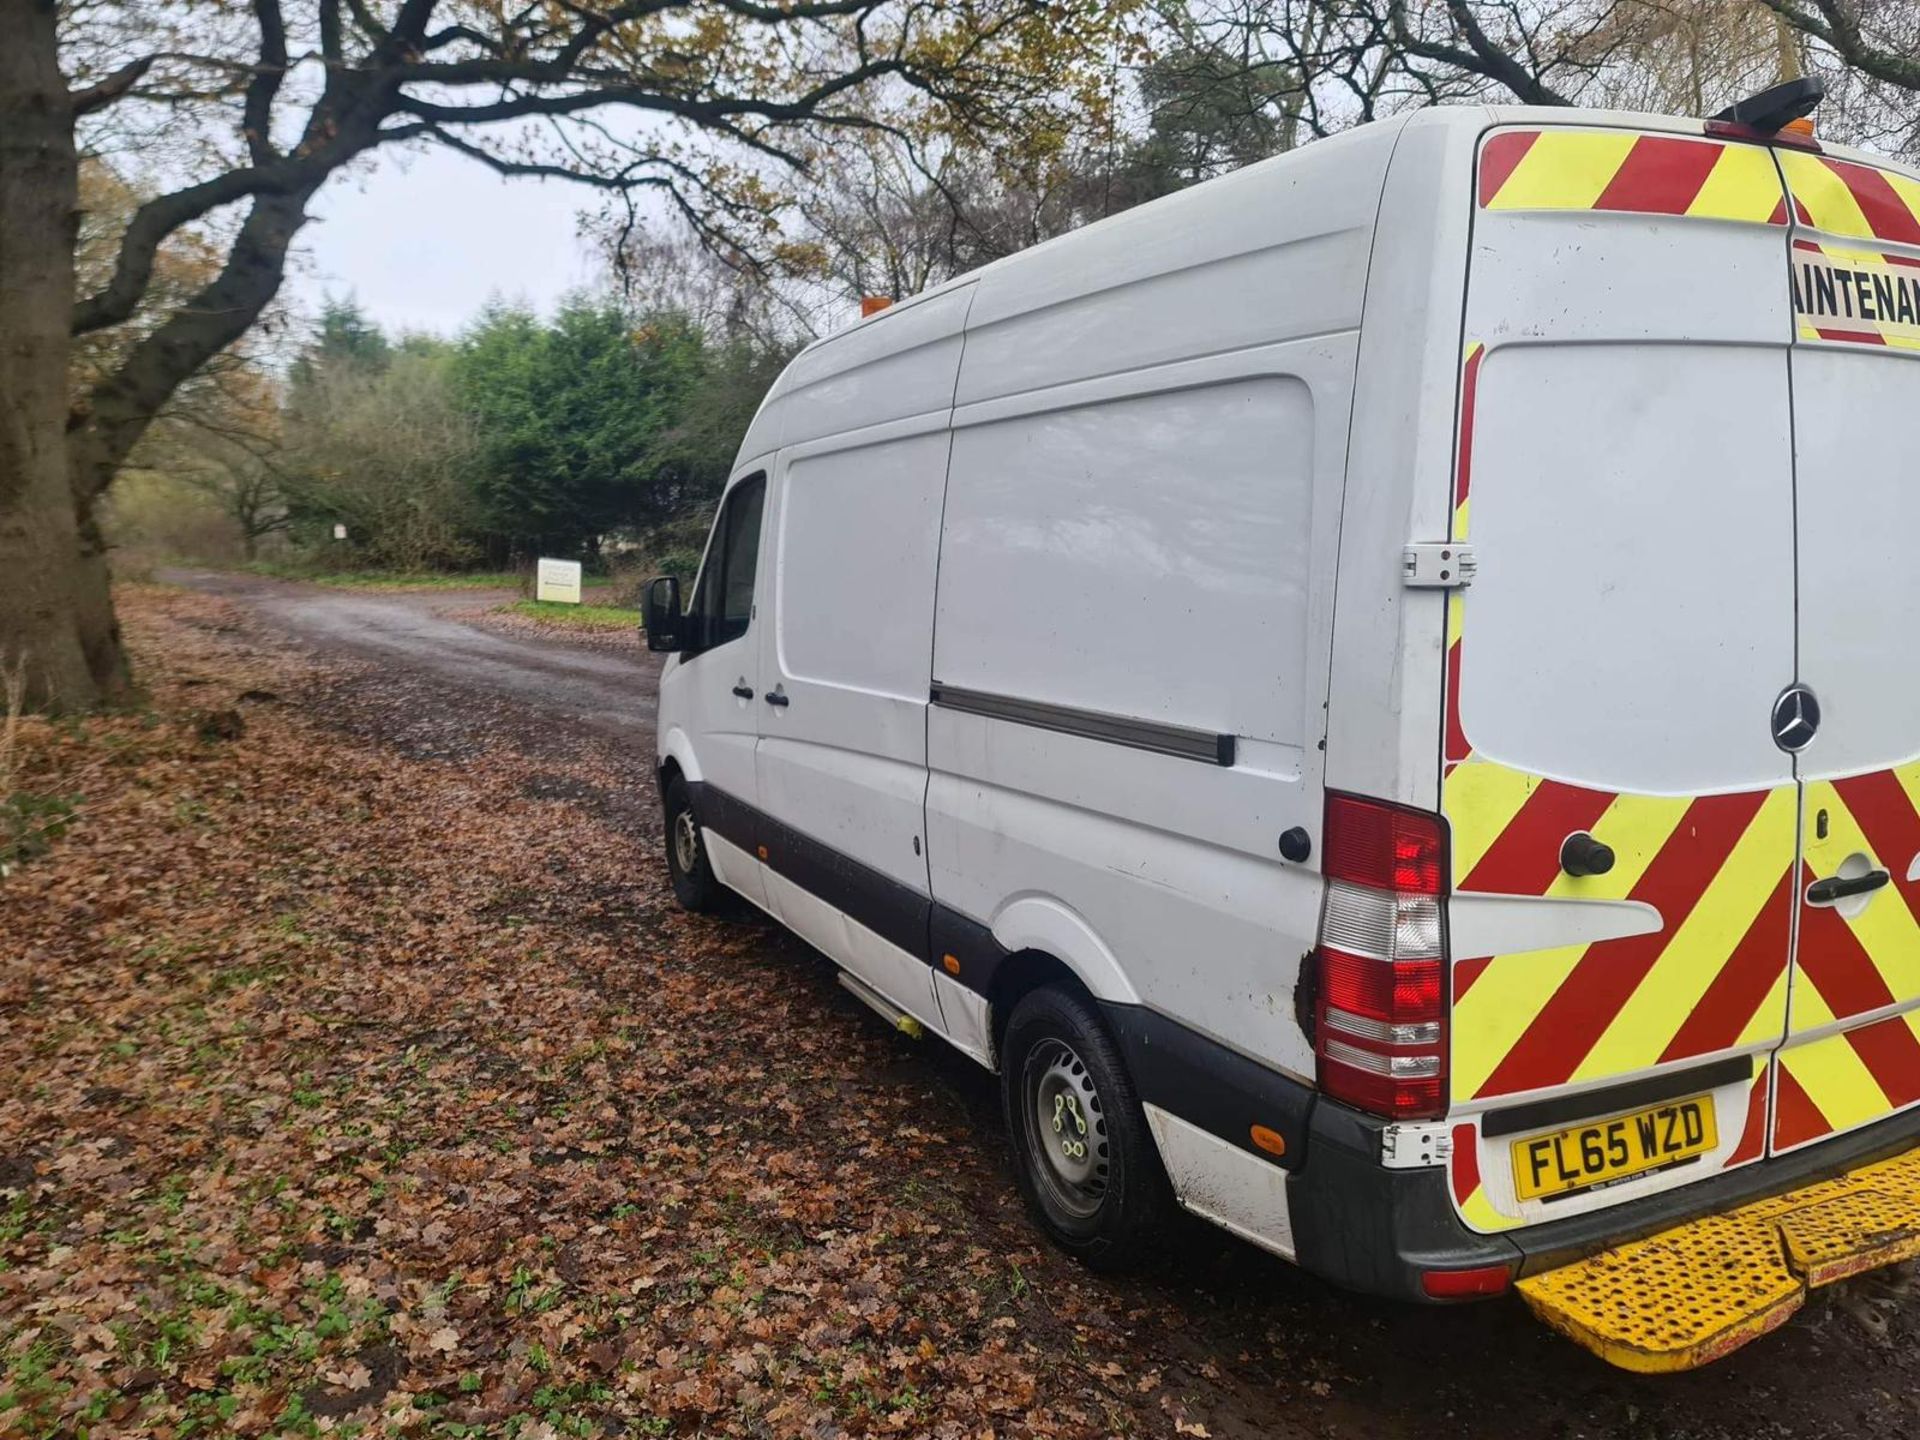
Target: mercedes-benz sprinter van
<point>1377,693</point>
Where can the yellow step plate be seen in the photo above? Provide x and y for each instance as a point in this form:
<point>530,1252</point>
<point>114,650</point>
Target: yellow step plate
<point>1689,1295</point>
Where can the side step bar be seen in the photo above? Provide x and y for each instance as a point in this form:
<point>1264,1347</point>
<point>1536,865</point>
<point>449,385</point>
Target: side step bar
<point>1689,1295</point>
<point>881,1006</point>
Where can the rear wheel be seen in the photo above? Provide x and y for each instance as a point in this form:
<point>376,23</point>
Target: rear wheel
<point>1082,1152</point>
<point>694,883</point>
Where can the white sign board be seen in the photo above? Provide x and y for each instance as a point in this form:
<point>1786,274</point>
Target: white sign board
<point>339,532</point>
<point>558,580</point>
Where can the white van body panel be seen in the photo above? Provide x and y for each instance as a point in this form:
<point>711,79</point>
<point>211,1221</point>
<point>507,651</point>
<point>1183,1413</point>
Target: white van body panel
<point>1148,424</point>
<point>1275,251</point>
<point>1082,578</point>
<point>863,419</point>
<point>677,745</point>
<point>1148,453</point>
<point>884,966</point>
<point>712,733</point>
<point>1388,640</point>
<point>1859,585</point>
<point>738,870</point>
<point>846,759</point>
<point>1042,924</point>
<point>1564,654</point>
<point>867,375</point>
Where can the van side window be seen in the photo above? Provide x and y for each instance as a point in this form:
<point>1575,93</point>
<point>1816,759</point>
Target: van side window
<point>723,600</point>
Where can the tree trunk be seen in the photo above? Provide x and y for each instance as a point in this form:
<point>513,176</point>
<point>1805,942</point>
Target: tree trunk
<point>120,408</point>
<point>93,617</point>
<point>40,546</point>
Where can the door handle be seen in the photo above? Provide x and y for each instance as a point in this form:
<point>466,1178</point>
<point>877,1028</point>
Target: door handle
<point>774,697</point>
<point>1825,892</point>
<point>745,692</point>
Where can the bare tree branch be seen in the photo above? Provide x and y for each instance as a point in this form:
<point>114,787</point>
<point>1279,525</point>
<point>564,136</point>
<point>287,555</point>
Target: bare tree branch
<point>1481,57</point>
<point>257,115</point>
<point>159,218</point>
<point>104,92</point>
<point>1836,25</point>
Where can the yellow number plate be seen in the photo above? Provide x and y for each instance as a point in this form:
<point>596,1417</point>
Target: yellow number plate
<point>1612,1150</point>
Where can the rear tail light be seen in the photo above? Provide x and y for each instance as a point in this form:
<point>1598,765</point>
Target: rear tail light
<point>1381,1014</point>
<point>1465,1284</point>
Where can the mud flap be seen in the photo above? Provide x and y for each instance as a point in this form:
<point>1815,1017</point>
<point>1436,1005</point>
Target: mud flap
<point>1689,1295</point>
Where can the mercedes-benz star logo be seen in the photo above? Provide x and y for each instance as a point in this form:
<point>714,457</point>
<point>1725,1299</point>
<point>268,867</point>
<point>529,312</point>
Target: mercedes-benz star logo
<point>1796,719</point>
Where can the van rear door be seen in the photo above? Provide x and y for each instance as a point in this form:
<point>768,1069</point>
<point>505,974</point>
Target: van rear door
<point>1852,1056</point>
<point>1625,475</point>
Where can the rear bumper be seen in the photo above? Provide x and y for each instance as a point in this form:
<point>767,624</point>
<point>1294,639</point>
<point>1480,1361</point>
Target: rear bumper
<point>1377,1230</point>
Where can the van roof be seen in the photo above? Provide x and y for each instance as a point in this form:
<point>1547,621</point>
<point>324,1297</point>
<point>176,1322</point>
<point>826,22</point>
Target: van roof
<point>1194,210</point>
<point>1465,118</point>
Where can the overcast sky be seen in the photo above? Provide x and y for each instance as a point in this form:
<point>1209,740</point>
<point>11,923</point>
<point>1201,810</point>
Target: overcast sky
<point>424,238</point>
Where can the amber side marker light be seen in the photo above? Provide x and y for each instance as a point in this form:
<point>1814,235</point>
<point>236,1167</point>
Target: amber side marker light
<point>1271,1141</point>
<point>1465,1284</point>
<point>873,304</point>
<point>951,964</point>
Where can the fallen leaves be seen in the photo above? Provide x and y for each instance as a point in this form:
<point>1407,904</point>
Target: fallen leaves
<point>373,1091</point>
<point>446,1340</point>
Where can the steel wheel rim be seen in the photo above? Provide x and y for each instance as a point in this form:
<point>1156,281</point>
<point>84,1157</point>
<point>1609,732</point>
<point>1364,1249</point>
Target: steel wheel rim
<point>1066,1131</point>
<point>686,842</point>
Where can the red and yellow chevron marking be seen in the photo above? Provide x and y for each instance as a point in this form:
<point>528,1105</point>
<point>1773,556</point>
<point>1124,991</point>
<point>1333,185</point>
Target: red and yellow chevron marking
<point>1718,869</point>
<point>1840,1082</point>
<point>1456,741</point>
<point>1478,1210</point>
<point>1469,1195</point>
<point>1721,871</point>
<point>1463,465</point>
<point>1865,297</point>
<point>1847,966</point>
<point>1853,965</point>
<point>1622,171</point>
<point>1845,198</point>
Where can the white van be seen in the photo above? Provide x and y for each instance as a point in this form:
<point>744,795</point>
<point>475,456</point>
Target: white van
<point>1376,692</point>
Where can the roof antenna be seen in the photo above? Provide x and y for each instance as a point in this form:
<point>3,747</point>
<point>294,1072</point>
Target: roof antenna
<point>1770,110</point>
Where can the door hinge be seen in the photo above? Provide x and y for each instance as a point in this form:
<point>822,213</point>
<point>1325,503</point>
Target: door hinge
<point>1413,1147</point>
<point>1438,565</point>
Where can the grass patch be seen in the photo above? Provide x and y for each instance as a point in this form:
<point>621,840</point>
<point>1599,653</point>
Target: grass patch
<point>29,824</point>
<point>575,617</point>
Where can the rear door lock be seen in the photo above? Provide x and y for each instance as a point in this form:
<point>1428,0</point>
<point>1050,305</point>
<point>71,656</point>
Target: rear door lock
<point>1581,854</point>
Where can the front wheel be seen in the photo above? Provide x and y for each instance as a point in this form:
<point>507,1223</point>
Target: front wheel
<point>1083,1155</point>
<point>694,884</point>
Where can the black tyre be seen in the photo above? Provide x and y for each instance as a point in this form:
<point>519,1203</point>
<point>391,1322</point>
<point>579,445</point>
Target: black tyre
<point>694,884</point>
<point>1082,1152</point>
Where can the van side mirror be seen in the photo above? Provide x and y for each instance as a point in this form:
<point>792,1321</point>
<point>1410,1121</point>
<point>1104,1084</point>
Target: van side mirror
<point>660,615</point>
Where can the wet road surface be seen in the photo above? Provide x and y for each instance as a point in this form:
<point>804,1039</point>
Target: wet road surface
<point>416,633</point>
